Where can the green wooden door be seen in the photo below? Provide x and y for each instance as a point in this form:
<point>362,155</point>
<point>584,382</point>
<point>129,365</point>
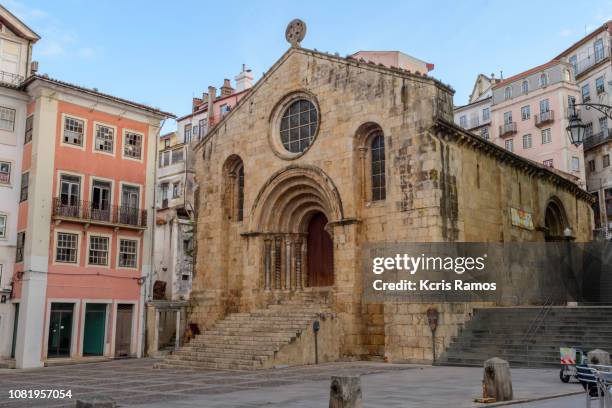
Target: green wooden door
<point>93,333</point>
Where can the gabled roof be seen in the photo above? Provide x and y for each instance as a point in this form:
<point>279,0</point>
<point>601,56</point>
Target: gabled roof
<point>30,80</point>
<point>17,26</point>
<point>398,72</point>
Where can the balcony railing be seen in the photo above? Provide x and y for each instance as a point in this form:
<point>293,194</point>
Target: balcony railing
<point>88,212</point>
<point>10,78</point>
<point>544,118</point>
<point>586,63</point>
<point>597,139</point>
<point>507,129</point>
<point>5,178</point>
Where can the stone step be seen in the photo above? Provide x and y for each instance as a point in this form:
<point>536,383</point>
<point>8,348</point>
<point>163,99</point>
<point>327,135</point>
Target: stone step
<point>194,365</point>
<point>217,357</point>
<point>227,346</point>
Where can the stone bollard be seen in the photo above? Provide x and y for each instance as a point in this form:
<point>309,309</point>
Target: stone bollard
<point>345,392</point>
<point>497,382</point>
<point>599,357</point>
<point>97,401</point>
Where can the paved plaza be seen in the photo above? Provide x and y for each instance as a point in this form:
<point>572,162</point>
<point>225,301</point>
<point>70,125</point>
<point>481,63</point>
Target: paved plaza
<point>134,383</point>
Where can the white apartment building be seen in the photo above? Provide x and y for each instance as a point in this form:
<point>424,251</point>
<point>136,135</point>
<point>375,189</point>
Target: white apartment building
<point>16,41</point>
<point>476,115</point>
<point>174,225</point>
<point>590,60</point>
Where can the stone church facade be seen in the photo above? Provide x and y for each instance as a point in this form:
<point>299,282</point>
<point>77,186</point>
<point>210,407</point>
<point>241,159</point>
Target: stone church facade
<point>326,154</point>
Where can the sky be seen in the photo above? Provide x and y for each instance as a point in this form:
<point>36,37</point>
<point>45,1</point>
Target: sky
<point>163,53</point>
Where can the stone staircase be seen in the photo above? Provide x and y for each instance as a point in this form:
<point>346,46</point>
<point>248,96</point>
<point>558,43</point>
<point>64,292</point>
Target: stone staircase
<point>262,338</point>
<point>502,332</point>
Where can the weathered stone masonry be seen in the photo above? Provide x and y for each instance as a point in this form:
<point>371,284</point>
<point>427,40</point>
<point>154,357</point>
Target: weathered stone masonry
<point>442,184</point>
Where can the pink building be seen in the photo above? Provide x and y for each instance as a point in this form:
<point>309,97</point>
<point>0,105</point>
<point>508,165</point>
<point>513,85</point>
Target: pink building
<point>84,233</point>
<point>529,116</point>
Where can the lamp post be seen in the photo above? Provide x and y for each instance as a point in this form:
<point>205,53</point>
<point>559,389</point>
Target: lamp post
<point>576,128</point>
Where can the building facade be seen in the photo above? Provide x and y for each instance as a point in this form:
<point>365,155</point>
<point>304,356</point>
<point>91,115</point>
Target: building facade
<point>175,205</point>
<point>529,116</point>
<point>84,236</point>
<point>590,61</point>
<point>326,154</point>
<point>476,115</point>
<point>16,41</point>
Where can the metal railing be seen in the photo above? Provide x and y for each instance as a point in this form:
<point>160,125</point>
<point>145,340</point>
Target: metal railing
<point>10,78</point>
<point>597,138</point>
<point>536,323</point>
<point>593,59</point>
<point>86,211</point>
<point>507,129</point>
<point>544,118</point>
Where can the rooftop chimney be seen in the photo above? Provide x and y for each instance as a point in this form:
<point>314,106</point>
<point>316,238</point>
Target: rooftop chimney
<point>226,89</point>
<point>212,94</point>
<point>244,80</point>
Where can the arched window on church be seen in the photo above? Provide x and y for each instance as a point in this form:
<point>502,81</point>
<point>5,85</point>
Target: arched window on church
<point>377,149</point>
<point>240,194</point>
<point>233,199</point>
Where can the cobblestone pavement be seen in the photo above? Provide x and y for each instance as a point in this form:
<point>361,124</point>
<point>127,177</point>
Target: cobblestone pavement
<point>134,383</point>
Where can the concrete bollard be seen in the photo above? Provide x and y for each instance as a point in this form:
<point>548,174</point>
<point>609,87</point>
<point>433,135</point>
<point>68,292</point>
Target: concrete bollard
<point>599,357</point>
<point>497,382</point>
<point>345,392</point>
<point>97,401</point>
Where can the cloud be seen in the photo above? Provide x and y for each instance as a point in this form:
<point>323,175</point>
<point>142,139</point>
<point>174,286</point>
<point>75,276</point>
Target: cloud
<point>58,39</point>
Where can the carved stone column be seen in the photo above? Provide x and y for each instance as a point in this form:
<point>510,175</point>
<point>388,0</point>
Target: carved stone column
<point>277,262</point>
<point>287,263</point>
<point>267,263</point>
<point>297,246</point>
<point>363,151</point>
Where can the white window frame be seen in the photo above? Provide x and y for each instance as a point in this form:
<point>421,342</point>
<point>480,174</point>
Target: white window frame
<point>526,108</point>
<point>118,257</point>
<point>576,164</point>
<point>547,132</point>
<point>10,172</point>
<point>544,82</point>
<point>63,125</point>
<point>123,144</point>
<point>79,235</point>
<point>58,184</point>
<point>108,249</point>
<point>8,110</point>
<point>530,139</point>
<point>95,149</point>
<point>3,216</point>
<point>509,145</point>
<point>525,89</point>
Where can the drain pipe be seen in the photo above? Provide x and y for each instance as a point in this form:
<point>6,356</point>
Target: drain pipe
<point>315,328</point>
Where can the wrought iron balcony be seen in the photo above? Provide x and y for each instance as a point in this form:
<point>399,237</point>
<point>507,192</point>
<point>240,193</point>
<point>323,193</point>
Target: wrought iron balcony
<point>544,118</point>
<point>10,78</point>
<point>584,64</point>
<point>597,138</point>
<point>507,129</point>
<point>91,213</point>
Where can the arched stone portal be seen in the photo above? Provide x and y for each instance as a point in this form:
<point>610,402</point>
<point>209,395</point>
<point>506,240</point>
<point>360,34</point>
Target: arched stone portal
<point>555,220</point>
<point>291,216</point>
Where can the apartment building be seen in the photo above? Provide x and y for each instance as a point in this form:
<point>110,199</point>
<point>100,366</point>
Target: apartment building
<point>176,187</point>
<point>590,61</point>
<point>529,116</point>
<point>84,241</point>
<point>16,40</point>
<point>476,115</point>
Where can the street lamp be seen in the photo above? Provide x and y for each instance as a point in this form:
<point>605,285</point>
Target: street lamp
<point>576,128</point>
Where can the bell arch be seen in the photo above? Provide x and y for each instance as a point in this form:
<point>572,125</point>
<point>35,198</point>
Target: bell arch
<point>292,211</point>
